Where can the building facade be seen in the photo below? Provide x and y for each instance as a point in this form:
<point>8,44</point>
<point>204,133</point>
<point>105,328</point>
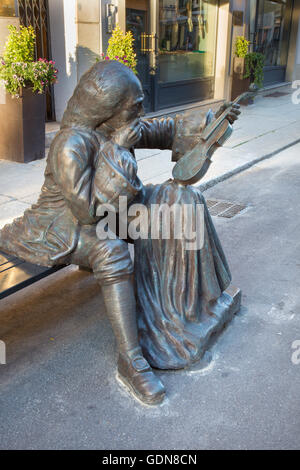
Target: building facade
<point>184,47</point>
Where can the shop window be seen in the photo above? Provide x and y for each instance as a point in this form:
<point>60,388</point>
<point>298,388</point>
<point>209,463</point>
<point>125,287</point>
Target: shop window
<point>272,31</point>
<point>187,39</point>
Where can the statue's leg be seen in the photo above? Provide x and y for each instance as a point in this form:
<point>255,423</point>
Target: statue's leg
<point>113,268</point>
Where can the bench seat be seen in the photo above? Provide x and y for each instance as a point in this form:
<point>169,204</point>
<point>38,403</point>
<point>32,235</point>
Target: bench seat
<point>16,274</point>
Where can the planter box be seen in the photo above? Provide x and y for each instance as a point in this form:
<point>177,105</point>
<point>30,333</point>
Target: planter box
<point>239,86</point>
<point>22,128</point>
<point>239,66</point>
<point>239,83</point>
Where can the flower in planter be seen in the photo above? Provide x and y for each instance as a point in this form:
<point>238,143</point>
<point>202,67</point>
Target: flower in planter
<point>241,46</point>
<point>18,68</point>
<point>120,48</point>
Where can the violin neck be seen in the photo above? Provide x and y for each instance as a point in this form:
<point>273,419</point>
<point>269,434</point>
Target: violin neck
<point>211,128</point>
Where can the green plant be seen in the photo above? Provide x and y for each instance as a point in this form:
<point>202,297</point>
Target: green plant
<point>120,48</point>
<point>19,46</point>
<point>18,68</point>
<point>254,64</point>
<point>241,46</point>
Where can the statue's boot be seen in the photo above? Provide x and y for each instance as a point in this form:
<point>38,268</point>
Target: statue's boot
<point>133,369</point>
<point>136,374</point>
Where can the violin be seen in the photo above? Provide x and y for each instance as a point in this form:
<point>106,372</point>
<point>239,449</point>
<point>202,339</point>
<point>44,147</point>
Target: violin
<point>195,163</point>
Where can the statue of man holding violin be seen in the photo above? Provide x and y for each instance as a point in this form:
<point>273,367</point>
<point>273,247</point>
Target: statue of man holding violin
<point>165,307</point>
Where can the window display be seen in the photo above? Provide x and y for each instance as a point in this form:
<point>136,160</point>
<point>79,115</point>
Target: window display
<point>272,30</point>
<point>187,39</point>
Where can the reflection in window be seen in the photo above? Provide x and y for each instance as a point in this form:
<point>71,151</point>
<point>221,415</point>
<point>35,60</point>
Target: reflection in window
<point>7,8</point>
<point>136,22</point>
<point>273,24</point>
<point>187,39</point>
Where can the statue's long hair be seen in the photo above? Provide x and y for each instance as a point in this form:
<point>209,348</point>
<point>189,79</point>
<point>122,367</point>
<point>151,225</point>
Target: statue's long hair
<point>99,94</point>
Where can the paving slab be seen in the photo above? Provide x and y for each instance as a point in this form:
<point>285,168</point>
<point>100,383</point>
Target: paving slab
<point>31,198</point>
<point>4,199</point>
<point>11,210</point>
<point>142,154</point>
<point>20,180</point>
<point>159,164</point>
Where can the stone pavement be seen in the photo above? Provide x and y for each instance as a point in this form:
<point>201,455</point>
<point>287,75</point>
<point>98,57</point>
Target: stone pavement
<point>58,389</point>
<point>270,125</point>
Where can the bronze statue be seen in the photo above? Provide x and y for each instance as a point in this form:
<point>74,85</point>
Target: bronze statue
<point>91,162</point>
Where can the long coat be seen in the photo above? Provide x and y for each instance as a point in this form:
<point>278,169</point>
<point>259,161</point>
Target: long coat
<point>75,184</point>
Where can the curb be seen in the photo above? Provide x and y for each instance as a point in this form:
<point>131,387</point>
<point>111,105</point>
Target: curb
<point>246,166</point>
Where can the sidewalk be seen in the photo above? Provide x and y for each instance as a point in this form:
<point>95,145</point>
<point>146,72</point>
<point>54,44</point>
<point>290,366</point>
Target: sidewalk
<point>268,126</point>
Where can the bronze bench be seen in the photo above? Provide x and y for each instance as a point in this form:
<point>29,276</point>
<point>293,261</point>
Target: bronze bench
<point>16,274</point>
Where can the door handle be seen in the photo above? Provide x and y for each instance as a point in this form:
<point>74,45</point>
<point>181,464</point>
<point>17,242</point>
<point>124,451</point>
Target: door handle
<point>148,43</point>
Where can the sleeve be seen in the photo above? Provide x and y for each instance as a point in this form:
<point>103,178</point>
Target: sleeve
<point>157,134</point>
<point>72,169</point>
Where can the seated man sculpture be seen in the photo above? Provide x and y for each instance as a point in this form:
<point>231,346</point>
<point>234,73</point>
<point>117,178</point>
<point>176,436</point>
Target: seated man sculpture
<point>90,163</point>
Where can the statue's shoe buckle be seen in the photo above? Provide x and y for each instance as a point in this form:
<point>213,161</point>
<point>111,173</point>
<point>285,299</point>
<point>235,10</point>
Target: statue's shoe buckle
<point>136,374</point>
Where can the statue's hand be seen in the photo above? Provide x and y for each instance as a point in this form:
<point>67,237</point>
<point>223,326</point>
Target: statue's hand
<point>127,136</point>
<point>233,114</point>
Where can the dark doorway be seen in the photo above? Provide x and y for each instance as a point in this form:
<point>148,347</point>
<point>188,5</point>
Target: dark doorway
<point>35,13</point>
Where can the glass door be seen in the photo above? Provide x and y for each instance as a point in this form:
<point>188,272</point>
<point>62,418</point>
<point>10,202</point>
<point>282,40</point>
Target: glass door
<point>137,21</point>
<point>176,58</point>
